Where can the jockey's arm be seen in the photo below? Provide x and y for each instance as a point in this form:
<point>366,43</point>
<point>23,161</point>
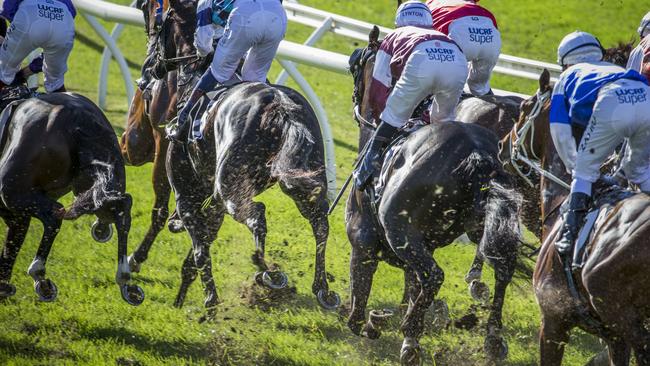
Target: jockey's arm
<point>9,9</point>
<point>561,132</point>
<point>205,29</point>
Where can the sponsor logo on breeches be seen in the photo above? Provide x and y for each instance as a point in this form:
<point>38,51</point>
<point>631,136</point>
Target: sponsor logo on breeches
<point>631,96</point>
<point>587,136</point>
<point>441,54</point>
<point>481,35</point>
<point>50,12</point>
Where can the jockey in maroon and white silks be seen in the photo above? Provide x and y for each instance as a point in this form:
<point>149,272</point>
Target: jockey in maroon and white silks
<point>475,30</point>
<point>413,62</point>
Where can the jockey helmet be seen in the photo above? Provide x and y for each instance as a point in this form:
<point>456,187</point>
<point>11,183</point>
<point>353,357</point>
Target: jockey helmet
<point>579,47</point>
<point>413,13</point>
<point>644,27</point>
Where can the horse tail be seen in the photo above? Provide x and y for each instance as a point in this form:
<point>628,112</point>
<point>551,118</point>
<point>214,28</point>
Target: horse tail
<point>296,141</point>
<point>102,191</point>
<point>499,205</point>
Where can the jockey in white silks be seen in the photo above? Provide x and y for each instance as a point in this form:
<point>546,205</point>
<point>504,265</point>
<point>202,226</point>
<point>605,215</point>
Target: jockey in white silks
<point>413,62</point>
<point>475,30</point>
<point>46,24</point>
<point>611,104</point>
<point>640,56</point>
<point>252,29</point>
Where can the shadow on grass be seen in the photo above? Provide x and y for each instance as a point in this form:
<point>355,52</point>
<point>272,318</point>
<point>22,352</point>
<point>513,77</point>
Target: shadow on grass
<point>31,350</point>
<point>161,348</point>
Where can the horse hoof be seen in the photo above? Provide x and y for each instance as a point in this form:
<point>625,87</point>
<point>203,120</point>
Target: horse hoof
<point>134,266</point>
<point>275,280</point>
<point>411,356</point>
<point>46,290</point>
<point>378,318</point>
<point>7,290</point>
<point>441,318</point>
<point>369,331</point>
<point>479,291</point>
<point>132,294</point>
<point>328,300</point>
<point>496,347</point>
<point>175,226</point>
<point>472,275</point>
<point>101,232</point>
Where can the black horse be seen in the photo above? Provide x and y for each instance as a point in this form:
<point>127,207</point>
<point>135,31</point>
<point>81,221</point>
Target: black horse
<point>53,144</point>
<point>444,180</point>
<point>257,135</point>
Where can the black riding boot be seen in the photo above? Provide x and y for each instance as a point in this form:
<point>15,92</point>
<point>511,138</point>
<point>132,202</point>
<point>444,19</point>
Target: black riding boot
<point>578,204</point>
<point>372,160</point>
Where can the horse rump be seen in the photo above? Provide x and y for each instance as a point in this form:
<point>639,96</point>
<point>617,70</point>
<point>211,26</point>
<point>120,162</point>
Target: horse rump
<point>297,143</point>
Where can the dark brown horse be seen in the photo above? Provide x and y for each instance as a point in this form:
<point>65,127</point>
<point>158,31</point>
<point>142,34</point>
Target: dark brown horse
<point>143,142</point>
<point>51,145</point>
<point>615,280</point>
<point>431,197</point>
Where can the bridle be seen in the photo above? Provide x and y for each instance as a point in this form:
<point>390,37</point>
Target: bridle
<point>357,62</point>
<point>169,63</point>
<point>517,146</point>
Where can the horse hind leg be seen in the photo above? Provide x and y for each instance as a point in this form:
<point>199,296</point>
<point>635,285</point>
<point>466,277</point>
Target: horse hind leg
<point>16,232</point>
<point>159,213</point>
<point>311,201</point>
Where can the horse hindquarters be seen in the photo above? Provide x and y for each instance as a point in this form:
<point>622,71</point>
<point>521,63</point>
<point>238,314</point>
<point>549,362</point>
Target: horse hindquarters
<point>202,223</point>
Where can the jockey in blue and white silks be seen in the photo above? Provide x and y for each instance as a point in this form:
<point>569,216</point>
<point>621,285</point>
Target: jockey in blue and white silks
<point>640,56</point>
<point>252,30</point>
<point>413,62</point>
<point>46,24</point>
<point>610,104</point>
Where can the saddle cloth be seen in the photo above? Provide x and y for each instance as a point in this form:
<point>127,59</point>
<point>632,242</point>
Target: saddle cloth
<point>198,116</point>
<point>10,99</point>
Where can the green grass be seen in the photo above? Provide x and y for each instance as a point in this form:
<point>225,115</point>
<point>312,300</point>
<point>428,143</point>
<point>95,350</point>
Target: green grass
<point>90,324</point>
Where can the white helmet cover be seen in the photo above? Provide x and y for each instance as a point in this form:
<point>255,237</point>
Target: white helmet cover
<point>579,47</point>
<point>413,13</point>
<point>644,27</point>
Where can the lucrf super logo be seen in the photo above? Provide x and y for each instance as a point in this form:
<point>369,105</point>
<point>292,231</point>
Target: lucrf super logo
<point>480,35</point>
<point>440,54</point>
<point>50,12</point>
<point>631,96</point>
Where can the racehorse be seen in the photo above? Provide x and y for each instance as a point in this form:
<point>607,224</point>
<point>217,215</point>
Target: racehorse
<point>619,54</point>
<point>444,180</point>
<point>256,135</point>
<point>496,113</point>
<point>613,284</point>
<point>53,144</point>
<point>144,141</point>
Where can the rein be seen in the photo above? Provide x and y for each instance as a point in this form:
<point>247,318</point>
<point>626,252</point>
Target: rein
<point>518,152</point>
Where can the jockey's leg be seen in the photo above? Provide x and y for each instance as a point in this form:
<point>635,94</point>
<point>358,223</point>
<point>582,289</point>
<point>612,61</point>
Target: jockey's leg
<point>15,48</point>
<point>269,27</point>
<point>598,142</point>
<point>637,130</point>
<point>55,56</point>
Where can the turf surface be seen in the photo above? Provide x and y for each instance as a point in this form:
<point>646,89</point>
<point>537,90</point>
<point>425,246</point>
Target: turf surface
<point>90,324</point>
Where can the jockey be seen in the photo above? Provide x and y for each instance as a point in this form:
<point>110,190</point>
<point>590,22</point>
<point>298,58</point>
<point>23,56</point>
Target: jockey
<point>414,61</point>
<point>253,29</point>
<point>46,24</point>
<point>610,104</point>
<point>640,57</point>
<point>475,30</point>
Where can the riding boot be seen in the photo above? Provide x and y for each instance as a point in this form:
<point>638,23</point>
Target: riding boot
<point>578,204</point>
<point>372,160</point>
<point>179,132</point>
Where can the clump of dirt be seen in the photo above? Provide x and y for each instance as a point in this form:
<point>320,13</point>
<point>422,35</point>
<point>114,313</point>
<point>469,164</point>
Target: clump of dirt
<point>467,322</point>
<point>123,361</point>
<point>264,298</point>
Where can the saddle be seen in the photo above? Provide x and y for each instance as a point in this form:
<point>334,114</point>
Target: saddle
<point>604,200</point>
